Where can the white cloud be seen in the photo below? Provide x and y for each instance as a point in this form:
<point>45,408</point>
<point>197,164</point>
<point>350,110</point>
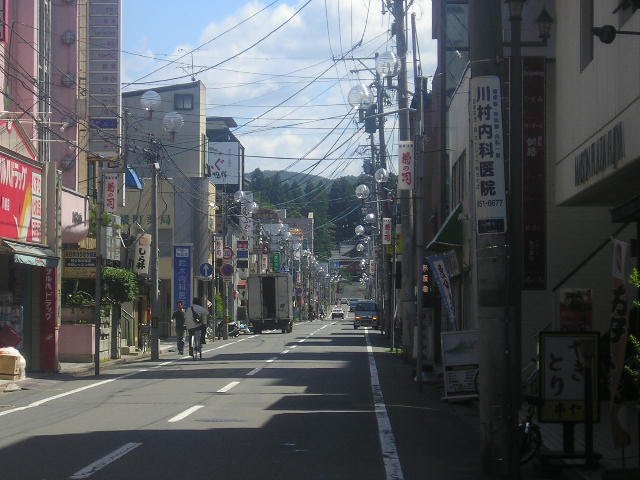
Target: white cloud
<point>251,87</point>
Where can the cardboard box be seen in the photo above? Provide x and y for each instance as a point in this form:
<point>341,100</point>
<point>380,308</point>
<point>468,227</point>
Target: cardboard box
<point>9,367</point>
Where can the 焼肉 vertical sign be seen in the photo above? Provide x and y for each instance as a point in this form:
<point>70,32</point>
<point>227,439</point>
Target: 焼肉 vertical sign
<point>20,200</point>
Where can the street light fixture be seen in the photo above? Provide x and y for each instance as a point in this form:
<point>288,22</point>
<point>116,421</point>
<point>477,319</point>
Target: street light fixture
<point>381,175</point>
<point>172,123</point>
<point>359,97</point>
<point>359,230</point>
<point>149,101</point>
<point>362,192</point>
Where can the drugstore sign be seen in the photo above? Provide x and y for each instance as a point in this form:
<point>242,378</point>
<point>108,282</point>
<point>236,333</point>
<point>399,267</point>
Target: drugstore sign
<point>20,200</point>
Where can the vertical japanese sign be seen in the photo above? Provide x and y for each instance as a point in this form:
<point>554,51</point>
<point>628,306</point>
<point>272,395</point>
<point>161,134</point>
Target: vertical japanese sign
<point>618,333</point>
<point>386,231</point>
<point>219,246</point>
<point>182,265</point>
<point>110,192</point>
<point>104,76</point>
<point>406,179</point>
<point>48,326</point>
<point>488,157</point>
<point>20,201</point>
<point>562,375</point>
<point>143,255</point>
<point>534,275</point>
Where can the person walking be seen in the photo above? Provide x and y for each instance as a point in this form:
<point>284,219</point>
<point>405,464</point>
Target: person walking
<point>195,318</point>
<point>178,318</point>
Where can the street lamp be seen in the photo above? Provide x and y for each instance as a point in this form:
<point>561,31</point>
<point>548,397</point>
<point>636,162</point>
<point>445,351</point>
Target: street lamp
<point>172,123</point>
<point>149,101</point>
<point>381,175</point>
<point>359,230</point>
<point>362,192</point>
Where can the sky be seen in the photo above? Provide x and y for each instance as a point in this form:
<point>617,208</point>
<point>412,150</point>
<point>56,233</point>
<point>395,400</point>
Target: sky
<point>282,69</point>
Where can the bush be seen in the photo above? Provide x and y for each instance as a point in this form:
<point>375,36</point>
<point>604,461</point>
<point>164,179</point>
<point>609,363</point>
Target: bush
<point>121,285</point>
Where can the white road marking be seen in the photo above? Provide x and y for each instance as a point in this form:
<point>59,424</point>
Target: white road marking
<point>89,470</point>
<point>301,340</point>
<point>271,360</point>
<point>186,413</point>
<point>228,387</point>
<point>293,346</point>
<point>285,351</point>
<point>254,371</point>
<point>390,457</point>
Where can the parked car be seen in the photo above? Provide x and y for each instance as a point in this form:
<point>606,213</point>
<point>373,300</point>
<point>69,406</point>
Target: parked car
<point>337,312</point>
<point>366,314</point>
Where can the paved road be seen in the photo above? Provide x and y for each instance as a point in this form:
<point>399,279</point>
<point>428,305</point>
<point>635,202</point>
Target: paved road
<point>311,404</point>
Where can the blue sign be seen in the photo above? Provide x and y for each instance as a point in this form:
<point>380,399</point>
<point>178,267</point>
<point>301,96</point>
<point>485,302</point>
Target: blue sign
<point>206,269</point>
<point>182,274</point>
<point>104,123</point>
<point>242,253</point>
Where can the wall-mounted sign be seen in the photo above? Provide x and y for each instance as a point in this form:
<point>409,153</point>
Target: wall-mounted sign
<point>386,231</point>
<point>20,200</point>
<point>110,192</point>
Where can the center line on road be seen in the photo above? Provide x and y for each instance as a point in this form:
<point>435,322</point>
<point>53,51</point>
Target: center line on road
<point>228,387</point>
<point>185,414</point>
<point>89,470</point>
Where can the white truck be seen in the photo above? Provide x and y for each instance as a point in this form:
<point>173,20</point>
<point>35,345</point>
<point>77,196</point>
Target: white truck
<point>269,302</point>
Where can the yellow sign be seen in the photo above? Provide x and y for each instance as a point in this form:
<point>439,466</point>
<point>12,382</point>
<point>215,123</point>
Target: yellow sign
<point>79,263</point>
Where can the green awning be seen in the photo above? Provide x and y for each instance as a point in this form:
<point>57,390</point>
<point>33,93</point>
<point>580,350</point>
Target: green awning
<point>31,254</point>
<point>450,233</point>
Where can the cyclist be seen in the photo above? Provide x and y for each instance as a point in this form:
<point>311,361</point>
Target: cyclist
<point>195,317</point>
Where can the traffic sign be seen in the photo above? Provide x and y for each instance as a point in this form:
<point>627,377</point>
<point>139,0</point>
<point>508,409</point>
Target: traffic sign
<point>227,253</point>
<point>226,270</point>
<point>206,269</point>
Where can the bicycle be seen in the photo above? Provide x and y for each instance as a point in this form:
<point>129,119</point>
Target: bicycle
<point>529,435</point>
<point>196,343</point>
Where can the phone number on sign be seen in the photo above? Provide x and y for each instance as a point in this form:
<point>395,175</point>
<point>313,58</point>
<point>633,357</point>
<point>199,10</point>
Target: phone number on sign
<point>489,203</point>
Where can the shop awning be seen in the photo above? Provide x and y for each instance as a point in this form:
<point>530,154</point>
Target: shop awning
<point>132,179</point>
<point>31,254</point>
<point>450,233</point>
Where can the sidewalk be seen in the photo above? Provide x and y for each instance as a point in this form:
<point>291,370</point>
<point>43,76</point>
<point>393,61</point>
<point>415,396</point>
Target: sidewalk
<point>167,345</point>
<point>397,377</point>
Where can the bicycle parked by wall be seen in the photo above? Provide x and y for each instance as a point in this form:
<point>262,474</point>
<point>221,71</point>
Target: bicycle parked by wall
<point>529,436</point>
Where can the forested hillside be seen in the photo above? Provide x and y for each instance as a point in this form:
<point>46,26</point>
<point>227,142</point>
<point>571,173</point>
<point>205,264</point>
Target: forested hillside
<point>336,209</point>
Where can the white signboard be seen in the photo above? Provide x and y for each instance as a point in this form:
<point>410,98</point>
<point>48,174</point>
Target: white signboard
<point>488,155</point>
<point>143,255</point>
<point>386,231</point>
<point>110,192</point>
<point>460,361</point>
<point>219,248</point>
<point>224,159</point>
<point>406,175</point>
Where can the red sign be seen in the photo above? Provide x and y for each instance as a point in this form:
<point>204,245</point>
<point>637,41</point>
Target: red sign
<point>48,326</point>
<point>20,200</point>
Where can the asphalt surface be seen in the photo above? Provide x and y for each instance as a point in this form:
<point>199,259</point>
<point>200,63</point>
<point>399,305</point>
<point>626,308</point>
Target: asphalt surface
<point>270,406</point>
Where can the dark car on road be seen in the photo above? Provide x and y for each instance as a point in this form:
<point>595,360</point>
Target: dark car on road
<point>366,314</point>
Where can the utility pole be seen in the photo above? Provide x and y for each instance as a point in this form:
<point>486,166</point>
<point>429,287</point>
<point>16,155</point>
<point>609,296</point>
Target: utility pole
<point>100,241</point>
<point>154,264</point>
<point>496,411</point>
<point>419,199</point>
<point>406,218</point>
